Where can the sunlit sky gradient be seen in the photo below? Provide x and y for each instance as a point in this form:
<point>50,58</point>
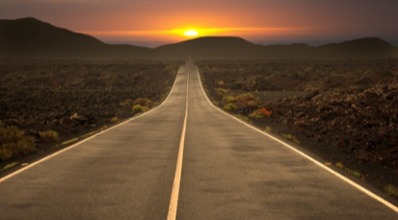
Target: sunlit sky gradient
<point>155,22</point>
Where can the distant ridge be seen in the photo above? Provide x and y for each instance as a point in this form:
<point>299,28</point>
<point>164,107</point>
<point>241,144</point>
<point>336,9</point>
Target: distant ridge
<point>238,48</point>
<point>364,47</point>
<point>29,37</point>
<point>32,38</point>
<point>209,48</point>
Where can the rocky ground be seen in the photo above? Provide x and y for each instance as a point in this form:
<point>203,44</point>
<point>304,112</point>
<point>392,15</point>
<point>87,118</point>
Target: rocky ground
<point>362,123</point>
<point>46,102</point>
<point>343,111</point>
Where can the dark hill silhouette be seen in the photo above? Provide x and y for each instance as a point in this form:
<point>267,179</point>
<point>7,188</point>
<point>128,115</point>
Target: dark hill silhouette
<point>29,37</point>
<point>363,48</point>
<point>238,48</point>
<point>210,48</point>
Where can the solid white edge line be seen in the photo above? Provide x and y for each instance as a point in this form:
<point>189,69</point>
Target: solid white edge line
<point>89,138</point>
<point>345,179</point>
<point>172,213</point>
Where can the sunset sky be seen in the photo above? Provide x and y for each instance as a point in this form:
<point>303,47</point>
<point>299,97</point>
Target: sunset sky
<point>155,22</point>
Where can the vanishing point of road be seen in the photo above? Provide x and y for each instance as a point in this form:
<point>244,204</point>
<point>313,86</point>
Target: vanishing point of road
<point>185,159</point>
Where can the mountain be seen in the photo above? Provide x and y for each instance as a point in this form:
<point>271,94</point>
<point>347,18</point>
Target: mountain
<point>210,48</point>
<point>29,37</point>
<point>238,48</point>
<point>359,48</point>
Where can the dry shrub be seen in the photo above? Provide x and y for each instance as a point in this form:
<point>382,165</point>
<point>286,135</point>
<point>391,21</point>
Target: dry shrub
<point>221,91</point>
<point>260,113</point>
<point>139,109</point>
<point>114,119</point>
<point>229,107</point>
<point>228,99</point>
<point>14,143</point>
<point>143,102</point>
<point>246,103</point>
<point>49,136</point>
<point>255,115</point>
<point>265,112</point>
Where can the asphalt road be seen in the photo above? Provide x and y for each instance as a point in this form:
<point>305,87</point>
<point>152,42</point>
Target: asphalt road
<point>229,171</point>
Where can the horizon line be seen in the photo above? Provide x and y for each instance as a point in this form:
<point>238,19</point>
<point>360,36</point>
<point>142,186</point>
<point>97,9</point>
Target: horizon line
<point>309,42</point>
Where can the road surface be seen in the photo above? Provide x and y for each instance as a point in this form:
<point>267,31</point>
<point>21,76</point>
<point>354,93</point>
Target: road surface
<point>226,170</point>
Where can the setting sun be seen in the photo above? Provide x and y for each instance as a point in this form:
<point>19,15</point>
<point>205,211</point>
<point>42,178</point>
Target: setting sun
<point>191,33</point>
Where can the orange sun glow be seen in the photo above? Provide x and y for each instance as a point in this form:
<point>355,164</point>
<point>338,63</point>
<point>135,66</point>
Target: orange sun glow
<point>191,33</point>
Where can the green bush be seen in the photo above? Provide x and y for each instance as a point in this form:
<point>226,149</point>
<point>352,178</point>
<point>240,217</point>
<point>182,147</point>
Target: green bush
<point>228,99</point>
<point>230,107</point>
<point>246,103</point>
<point>355,173</point>
<point>247,100</point>
<point>291,137</point>
<point>14,143</point>
<point>143,102</point>
<point>391,190</point>
<point>114,119</point>
<point>221,91</point>
<point>67,142</point>
<point>49,136</point>
<point>256,115</point>
<point>139,109</point>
